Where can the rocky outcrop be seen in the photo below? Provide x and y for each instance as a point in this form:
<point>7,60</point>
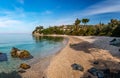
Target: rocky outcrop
<point>24,66</point>
<point>14,52</point>
<point>22,54</point>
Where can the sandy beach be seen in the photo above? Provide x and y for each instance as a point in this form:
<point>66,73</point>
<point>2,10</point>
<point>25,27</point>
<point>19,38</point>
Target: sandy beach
<point>85,51</point>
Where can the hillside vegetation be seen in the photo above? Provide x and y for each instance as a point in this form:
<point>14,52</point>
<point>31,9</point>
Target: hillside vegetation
<point>110,29</point>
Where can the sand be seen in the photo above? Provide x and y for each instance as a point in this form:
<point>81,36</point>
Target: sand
<point>102,42</point>
<point>84,51</point>
<point>37,69</point>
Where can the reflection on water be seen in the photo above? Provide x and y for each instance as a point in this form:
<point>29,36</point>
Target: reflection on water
<point>39,47</point>
<point>47,38</point>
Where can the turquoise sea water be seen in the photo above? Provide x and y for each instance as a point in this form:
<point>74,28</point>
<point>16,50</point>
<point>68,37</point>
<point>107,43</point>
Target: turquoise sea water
<point>39,47</point>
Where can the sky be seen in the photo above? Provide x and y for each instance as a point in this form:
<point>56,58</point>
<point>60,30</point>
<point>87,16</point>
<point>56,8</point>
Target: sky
<point>22,16</point>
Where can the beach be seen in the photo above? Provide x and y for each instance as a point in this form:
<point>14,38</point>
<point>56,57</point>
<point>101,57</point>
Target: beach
<point>84,51</point>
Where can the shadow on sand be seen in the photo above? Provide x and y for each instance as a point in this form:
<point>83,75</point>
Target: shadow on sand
<point>98,43</point>
<point>104,64</point>
<point>82,46</point>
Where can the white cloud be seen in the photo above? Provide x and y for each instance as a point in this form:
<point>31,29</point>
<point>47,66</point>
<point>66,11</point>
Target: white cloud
<point>14,21</point>
<point>55,22</point>
<point>106,6</point>
<point>21,1</point>
<point>17,13</point>
<point>47,12</point>
<point>9,22</point>
<point>64,21</point>
<point>8,25</point>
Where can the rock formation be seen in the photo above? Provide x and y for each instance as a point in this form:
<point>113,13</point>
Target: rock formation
<point>24,66</point>
<point>22,54</point>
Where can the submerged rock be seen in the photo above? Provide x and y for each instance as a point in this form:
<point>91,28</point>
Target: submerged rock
<point>3,57</point>
<point>22,54</point>
<point>24,66</point>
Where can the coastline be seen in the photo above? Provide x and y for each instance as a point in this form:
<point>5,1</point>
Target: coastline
<point>38,68</point>
<point>83,53</point>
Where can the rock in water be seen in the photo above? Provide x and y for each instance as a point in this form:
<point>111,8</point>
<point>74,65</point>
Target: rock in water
<point>14,52</point>
<point>24,66</point>
<point>3,57</point>
<point>24,54</point>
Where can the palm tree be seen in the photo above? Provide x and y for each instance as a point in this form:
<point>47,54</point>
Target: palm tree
<point>85,20</point>
<point>77,22</point>
<point>39,29</point>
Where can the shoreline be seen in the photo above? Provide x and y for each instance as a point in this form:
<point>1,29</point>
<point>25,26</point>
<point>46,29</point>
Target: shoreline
<point>83,53</point>
<point>42,63</point>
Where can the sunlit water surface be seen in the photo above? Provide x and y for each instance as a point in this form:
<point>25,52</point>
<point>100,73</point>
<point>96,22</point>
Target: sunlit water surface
<point>39,47</point>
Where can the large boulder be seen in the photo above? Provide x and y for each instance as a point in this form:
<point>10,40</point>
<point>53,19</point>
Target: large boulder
<point>14,52</point>
<point>24,66</point>
<point>22,54</point>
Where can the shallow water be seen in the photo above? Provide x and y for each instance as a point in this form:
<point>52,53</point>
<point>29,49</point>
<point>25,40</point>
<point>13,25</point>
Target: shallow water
<point>39,47</point>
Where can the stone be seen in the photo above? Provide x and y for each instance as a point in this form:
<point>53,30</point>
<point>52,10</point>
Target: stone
<point>14,52</point>
<point>96,72</point>
<point>93,71</point>
<point>96,62</point>
<point>3,57</point>
<point>77,67</point>
<point>24,54</point>
<point>24,66</point>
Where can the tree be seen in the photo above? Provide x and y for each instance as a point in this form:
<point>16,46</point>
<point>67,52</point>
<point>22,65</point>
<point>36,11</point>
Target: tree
<point>114,21</point>
<point>77,22</point>
<point>116,31</point>
<point>39,29</point>
<point>85,20</point>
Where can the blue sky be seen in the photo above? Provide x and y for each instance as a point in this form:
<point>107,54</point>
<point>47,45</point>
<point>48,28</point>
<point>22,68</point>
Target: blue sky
<point>22,16</point>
